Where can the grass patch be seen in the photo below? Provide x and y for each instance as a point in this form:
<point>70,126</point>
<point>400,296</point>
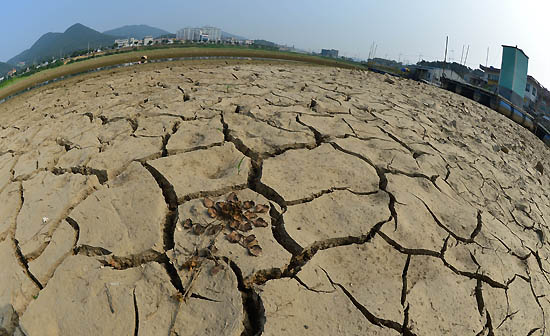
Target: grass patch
<point>10,81</point>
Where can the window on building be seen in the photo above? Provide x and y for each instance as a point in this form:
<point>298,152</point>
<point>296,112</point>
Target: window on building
<point>534,91</point>
<point>528,88</point>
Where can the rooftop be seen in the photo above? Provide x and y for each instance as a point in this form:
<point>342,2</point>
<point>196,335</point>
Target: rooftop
<point>516,47</point>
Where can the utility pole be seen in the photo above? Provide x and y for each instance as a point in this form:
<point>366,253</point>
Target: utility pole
<point>462,56</point>
<point>371,50</point>
<point>487,60</point>
<point>445,59</point>
<point>467,52</point>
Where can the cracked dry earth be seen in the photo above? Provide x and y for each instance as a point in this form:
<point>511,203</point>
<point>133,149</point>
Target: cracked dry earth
<point>393,207</point>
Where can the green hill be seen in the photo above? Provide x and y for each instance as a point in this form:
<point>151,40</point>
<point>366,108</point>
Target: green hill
<point>4,68</point>
<point>137,31</point>
<point>226,35</point>
<point>54,45</point>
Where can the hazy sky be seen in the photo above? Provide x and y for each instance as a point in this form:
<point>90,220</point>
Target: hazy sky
<point>403,29</point>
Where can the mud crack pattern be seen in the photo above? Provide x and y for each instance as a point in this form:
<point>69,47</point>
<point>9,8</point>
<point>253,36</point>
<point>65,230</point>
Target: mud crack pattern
<point>394,207</point>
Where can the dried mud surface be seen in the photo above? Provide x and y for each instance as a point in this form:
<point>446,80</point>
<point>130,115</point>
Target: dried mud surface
<point>347,203</point>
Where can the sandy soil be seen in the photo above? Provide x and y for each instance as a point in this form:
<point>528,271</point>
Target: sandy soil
<point>215,198</point>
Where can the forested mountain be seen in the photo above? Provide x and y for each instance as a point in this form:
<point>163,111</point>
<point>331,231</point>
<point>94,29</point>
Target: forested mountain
<point>56,45</point>
<point>137,31</point>
<point>4,68</point>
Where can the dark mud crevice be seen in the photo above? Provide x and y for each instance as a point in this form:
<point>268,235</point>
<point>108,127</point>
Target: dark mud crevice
<point>225,129</point>
<point>165,140</point>
<point>254,311</point>
<point>204,298</point>
<point>91,251</point>
<point>166,137</point>
<point>130,261</point>
<point>136,314</point>
<point>23,262</point>
<point>86,171</point>
<point>172,273</point>
<point>479,297</point>
<point>408,251</point>
<point>133,123</point>
<point>533,331</point>
<point>404,281</point>
<point>319,138</point>
<point>488,325</point>
<point>76,228</point>
<point>281,235</point>
<point>478,227</point>
<point>399,141</point>
<point>303,284</point>
<point>193,149</point>
<point>350,127</point>
<point>315,196</point>
<point>241,147</point>
<point>89,115</point>
<point>285,148</point>
<point>171,200</point>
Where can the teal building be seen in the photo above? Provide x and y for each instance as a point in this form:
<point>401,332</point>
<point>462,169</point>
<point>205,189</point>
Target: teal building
<point>513,74</point>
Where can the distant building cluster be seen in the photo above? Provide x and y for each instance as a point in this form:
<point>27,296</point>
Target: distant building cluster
<point>204,34</point>
<point>511,81</point>
<point>329,53</point>
<point>133,42</point>
<point>536,97</point>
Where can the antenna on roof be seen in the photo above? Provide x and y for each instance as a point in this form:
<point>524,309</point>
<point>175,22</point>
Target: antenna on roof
<point>487,60</point>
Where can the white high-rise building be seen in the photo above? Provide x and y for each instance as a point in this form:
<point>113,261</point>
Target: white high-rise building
<point>213,34</point>
<point>206,34</point>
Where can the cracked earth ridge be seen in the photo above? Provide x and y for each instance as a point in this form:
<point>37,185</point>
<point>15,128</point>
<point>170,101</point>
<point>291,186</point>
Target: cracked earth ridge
<point>394,208</point>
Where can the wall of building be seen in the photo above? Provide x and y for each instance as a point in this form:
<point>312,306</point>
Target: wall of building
<point>211,34</point>
<point>513,75</point>
<point>329,53</point>
<point>531,91</point>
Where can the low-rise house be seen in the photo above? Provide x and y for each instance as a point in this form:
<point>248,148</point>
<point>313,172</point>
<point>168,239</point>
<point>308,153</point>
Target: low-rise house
<point>433,75</point>
<point>329,53</point>
<point>147,40</point>
<point>492,75</point>
<point>532,90</point>
<point>122,43</point>
<point>476,78</point>
<point>543,102</point>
